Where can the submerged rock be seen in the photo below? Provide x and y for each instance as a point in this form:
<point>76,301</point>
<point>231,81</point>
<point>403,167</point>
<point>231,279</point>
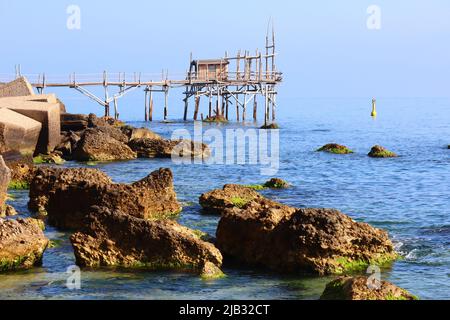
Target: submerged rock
<point>22,243</point>
<point>360,288</point>
<point>113,238</point>
<point>286,239</point>
<point>5,177</point>
<point>216,119</point>
<point>276,183</point>
<point>232,195</point>
<point>335,148</point>
<point>67,195</point>
<point>158,148</point>
<point>381,152</point>
<point>271,126</point>
<point>103,144</point>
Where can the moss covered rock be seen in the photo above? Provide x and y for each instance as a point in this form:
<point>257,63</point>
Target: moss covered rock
<point>232,195</point>
<point>276,183</point>
<point>361,288</point>
<point>291,240</point>
<point>22,244</point>
<point>335,148</point>
<point>381,152</point>
<point>113,238</point>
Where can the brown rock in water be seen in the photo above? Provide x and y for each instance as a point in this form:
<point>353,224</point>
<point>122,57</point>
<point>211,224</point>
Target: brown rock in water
<point>47,180</point>
<point>381,152</point>
<point>5,177</point>
<point>216,118</point>
<point>361,288</point>
<point>101,144</point>
<point>232,195</point>
<point>67,195</point>
<point>139,133</point>
<point>22,169</point>
<point>22,244</point>
<point>68,143</point>
<point>285,239</point>
<point>113,238</point>
<point>73,122</point>
<point>8,211</point>
<point>335,148</point>
<point>158,148</point>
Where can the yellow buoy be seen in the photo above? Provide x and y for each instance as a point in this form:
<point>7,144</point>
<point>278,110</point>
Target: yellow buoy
<point>374,108</point>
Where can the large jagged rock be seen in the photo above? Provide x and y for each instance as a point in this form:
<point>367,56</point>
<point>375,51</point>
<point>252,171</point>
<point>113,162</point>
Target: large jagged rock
<point>103,144</point>
<point>286,239</point>
<point>22,244</point>
<point>5,177</point>
<point>113,238</point>
<point>73,122</point>
<point>47,180</point>
<point>18,87</point>
<point>67,195</point>
<point>68,144</point>
<point>362,288</point>
<point>159,148</point>
<point>232,195</point>
<point>18,132</point>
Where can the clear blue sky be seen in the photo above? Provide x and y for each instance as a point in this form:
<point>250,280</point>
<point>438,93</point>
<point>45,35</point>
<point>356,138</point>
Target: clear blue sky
<point>325,48</point>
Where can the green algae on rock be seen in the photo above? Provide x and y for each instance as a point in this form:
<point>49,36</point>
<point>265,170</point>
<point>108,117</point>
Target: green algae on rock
<point>291,240</point>
<point>381,152</point>
<point>22,244</point>
<point>335,148</point>
<point>276,183</point>
<point>113,238</point>
<point>18,185</point>
<point>360,288</point>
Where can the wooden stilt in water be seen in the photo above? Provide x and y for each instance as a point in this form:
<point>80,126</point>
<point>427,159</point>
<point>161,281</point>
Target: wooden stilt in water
<point>197,104</point>
<point>266,107</point>
<point>150,112</point>
<point>237,108</point>
<point>186,104</point>
<point>227,107</point>
<point>274,106</point>
<point>166,102</point>
<point>255,109</point>
<point>210,106</point>
<point>146,104</point>
<point>244,107</point>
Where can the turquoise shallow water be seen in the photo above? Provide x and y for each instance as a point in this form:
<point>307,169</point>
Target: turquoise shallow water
<point>407,196</point>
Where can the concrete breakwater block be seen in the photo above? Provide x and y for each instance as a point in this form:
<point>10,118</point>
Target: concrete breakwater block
<point>48,98</point>
<point>48,114</point>
<point>18,87</point>
<point>18,132</point>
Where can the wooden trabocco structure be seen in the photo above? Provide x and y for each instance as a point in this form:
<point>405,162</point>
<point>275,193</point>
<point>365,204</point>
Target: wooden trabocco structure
<point>228,82</point>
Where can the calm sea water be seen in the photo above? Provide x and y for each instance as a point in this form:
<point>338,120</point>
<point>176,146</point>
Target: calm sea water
<point>407,196</point>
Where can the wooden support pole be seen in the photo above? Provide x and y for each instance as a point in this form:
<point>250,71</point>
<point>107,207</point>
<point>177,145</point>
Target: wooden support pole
<point>274,103</point>
<point>150,113</point>
<point>266,106</point>
<point>146,105</point>
<point>166,102</point>
<point>116,111</point>
<point>186,104</point>
<point>244,106</point>
<point>197,105</point>
<point>255,109</point>
<point>237,108</point>
<point>227,107</point>
<point>210,105</point>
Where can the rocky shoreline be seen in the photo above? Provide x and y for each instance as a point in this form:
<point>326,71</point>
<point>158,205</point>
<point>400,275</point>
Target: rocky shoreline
<point>134,225</point>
